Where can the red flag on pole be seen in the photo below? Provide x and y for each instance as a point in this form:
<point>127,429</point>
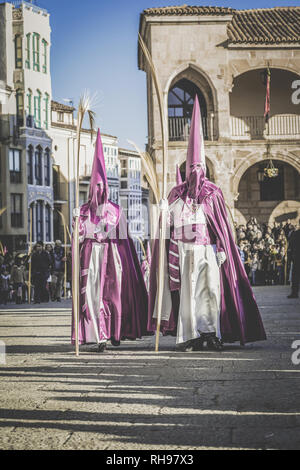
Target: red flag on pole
<point>267,103</point>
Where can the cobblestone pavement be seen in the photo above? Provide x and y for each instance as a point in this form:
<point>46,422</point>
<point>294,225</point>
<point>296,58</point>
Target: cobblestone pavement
<point>133,398</point>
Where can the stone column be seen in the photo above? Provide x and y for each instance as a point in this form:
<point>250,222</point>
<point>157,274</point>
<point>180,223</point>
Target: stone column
<point>51,224</point>
<point>44,220</point>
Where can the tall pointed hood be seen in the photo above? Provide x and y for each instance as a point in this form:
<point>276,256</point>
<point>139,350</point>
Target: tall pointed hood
<point>178,176</point>
<point>196,153</point>
<point>98,193</point>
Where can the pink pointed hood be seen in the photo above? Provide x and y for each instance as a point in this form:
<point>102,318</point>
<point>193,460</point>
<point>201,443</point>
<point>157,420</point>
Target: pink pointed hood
<point>196,152</point>
<point>98,193</point>
<point>178,176</point>
<point>195,160</point>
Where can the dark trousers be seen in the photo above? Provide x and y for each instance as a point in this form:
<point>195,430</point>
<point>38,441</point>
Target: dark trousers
<point>295,277</point>
<point>40,290</point>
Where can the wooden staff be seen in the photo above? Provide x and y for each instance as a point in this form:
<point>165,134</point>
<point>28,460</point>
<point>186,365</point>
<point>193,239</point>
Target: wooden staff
<point>65,243</point>
<point>29,256</point>
<point>1,246</point>
<point>285,261</point>
<point>83,109</point>
<point>163,202</point>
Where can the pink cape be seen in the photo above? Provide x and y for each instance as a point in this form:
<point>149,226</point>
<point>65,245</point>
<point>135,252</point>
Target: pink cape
<point>240,319</point>
<point>125,318</point>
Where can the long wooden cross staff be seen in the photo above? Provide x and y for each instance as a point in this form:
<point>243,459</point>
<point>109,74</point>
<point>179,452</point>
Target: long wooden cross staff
<point>29,255</point>
<point>83,109</point>
<point>163,194</point>
<point>65,244</point>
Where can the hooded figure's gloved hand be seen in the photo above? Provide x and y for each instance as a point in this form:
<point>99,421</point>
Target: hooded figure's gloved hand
<point>221,258</point>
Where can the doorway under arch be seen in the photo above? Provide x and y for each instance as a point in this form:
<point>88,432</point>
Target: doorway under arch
<point>259,198</point>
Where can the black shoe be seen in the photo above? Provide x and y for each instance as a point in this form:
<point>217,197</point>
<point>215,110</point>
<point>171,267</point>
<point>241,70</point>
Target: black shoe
<point>58,300</point>
<point>198,344</point>
<point>185,347</point>
<point>114,342</point>
<point>101,347</point>
<point>214,343</point>
<point>293,296</point>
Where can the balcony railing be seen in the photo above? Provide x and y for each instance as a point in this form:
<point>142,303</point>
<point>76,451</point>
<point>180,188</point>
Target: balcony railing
<point>179,128</point>
<point>254,127</point>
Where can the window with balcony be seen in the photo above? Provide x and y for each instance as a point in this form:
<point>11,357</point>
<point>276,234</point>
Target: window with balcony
<point>46,111</point>
<point>36,51</point>
<point>30,165</point>
<point>27,51</point>
<point>180,109</point>
<point>29,102</point>
<point>44,68</point>
<point>16,212</point>
<point>39,220</point>
<point>38,166</point>
<point>20,107</point>
<point>15,166</point>
<point>48,223</point>
<point>47,167</point>
<point>18,52</point>
<point>37,108</point>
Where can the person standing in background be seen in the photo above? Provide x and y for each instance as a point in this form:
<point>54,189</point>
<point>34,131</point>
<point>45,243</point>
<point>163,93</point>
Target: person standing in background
<point>17,278</point>
<point>58,269</point>
<point>40,268</point>
<point>294,247</point>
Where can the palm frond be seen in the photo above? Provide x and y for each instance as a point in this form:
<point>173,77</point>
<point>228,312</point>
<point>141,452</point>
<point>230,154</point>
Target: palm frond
<point>163,120</point>
<point>2,210</point>
<point>150,171</point>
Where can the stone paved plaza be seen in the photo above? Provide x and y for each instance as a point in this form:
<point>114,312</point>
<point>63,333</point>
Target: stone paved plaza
<point>133,398</point>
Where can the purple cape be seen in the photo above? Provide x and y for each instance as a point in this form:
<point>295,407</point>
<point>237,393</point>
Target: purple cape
<point>125,305</point>
<point>240,319</point>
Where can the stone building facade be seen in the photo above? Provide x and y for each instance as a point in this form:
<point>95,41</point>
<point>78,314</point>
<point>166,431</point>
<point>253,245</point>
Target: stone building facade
<point>131,197</point>
<point>64,138</point>
<point>222,55</point>
<point>25,146</point>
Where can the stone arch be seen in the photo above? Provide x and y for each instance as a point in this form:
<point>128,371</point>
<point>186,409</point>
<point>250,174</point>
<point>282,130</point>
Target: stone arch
<point>200,78</point>
<point>285,210</point>
<point>236,72</point>
<point>256,157</point>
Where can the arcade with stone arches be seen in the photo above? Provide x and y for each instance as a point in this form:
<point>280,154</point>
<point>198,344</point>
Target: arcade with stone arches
<point>269,200</point>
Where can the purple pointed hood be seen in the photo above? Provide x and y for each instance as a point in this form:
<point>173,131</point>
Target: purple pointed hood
<point>98,193</point>
<point>178,176</point>
<point>195,160</point>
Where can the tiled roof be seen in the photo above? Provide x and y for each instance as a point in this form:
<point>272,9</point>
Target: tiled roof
<point>272,25</point>
<point>55,106</point>
<point>188,10</point>
<point>265,26</point>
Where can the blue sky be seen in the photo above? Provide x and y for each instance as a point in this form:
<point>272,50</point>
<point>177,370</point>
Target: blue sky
<point>94,47</point>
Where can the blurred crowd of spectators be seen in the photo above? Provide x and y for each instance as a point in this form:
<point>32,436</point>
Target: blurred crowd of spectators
<point>264,251</point>
<point>47,274</point>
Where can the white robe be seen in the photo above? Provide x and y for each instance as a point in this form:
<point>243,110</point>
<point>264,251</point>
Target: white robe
<point>95,333</point>
<point>200,296</point>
